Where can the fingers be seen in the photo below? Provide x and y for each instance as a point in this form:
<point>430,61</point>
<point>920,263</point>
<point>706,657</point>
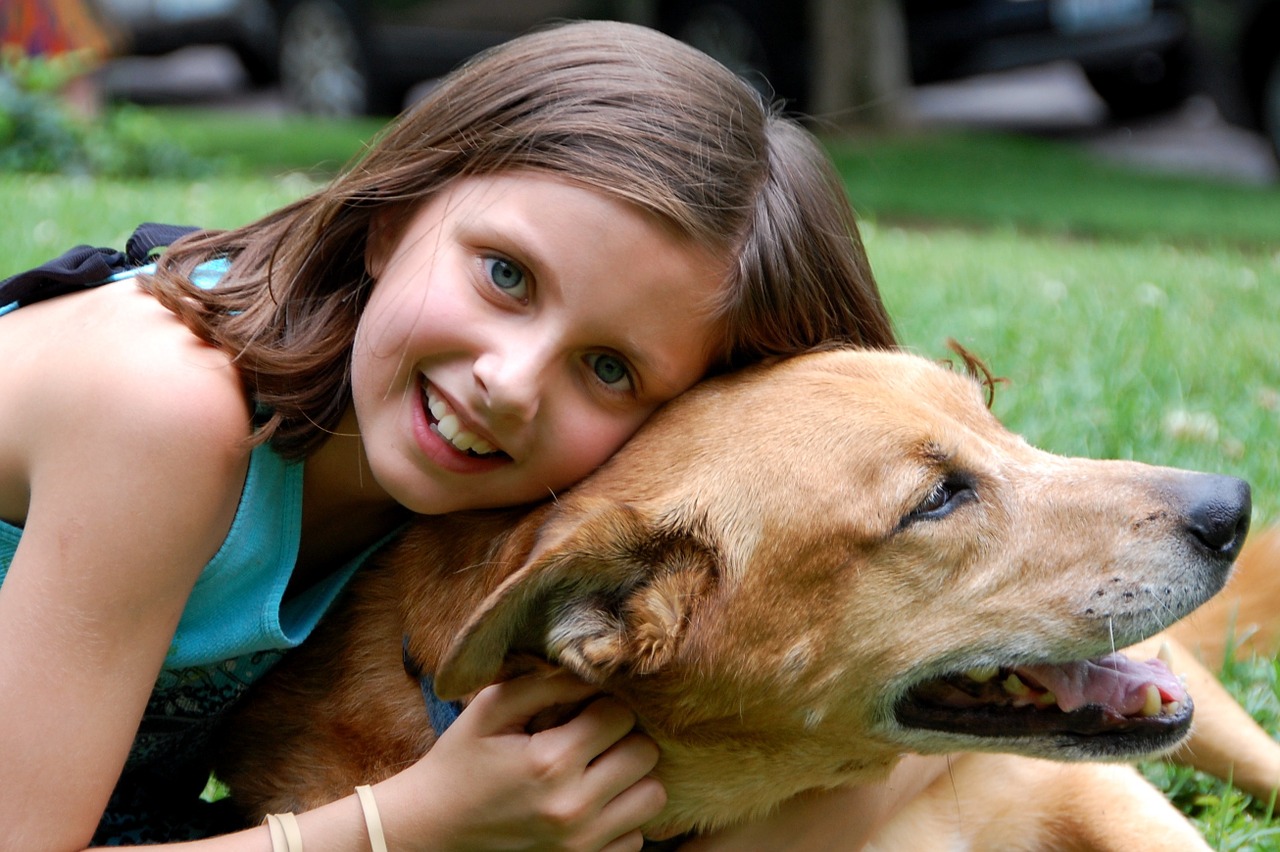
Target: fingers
<point>510,705</point>
<point>588,776</point>
<point>636,805</point>
<point>595,729</point>
<point>629,842</point>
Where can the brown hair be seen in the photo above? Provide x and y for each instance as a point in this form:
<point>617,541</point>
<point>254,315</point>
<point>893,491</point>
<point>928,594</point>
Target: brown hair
<point>611,106</point>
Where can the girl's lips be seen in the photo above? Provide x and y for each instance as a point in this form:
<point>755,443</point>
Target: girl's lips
<point>442,452</point>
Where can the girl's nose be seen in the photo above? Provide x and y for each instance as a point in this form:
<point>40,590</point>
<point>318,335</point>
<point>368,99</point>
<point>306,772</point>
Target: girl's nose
<point>509,380</point>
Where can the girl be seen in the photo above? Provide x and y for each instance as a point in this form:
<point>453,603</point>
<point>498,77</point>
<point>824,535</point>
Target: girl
<point>569,231</point>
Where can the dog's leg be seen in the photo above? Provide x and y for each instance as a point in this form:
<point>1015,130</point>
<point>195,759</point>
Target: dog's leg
<point>824,820</point>
<point>1020,804</point>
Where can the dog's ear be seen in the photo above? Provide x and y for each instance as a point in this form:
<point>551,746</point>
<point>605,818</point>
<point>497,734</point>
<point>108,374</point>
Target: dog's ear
<point>605,591</point>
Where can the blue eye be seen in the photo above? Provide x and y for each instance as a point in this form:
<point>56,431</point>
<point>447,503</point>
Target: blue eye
<point>609,369</point>
<point>505,275</point>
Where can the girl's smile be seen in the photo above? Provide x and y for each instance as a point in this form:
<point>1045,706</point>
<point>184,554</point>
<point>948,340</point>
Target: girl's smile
<point>521,329</point>
<point>450,441</point>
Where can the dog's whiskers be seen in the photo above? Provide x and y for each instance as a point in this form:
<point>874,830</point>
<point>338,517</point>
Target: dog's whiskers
<point>955,793</point>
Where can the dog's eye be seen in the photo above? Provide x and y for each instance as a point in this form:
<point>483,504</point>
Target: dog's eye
<point>941,500</point>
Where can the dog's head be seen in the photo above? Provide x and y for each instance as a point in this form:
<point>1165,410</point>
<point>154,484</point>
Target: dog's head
<point>795,574</point>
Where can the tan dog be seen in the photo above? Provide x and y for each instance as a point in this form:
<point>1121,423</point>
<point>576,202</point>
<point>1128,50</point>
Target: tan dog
<point>793,576</point>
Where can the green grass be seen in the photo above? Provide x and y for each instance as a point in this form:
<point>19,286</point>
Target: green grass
<point>1135,316</point>
<point>40,216</point>
<point>265,144</point>
<point>1112,349</point>
<point>1051,186</point>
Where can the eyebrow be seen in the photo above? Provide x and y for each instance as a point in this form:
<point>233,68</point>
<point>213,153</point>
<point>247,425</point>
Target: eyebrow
<point>511,233</point>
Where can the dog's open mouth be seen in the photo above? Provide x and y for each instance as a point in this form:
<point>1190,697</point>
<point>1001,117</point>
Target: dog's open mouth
<point>1143,704</point>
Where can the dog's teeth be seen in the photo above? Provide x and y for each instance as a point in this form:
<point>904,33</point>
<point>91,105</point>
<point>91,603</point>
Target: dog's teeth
<point>982,674</point>
<point>1165,654</point>
<point>1172,708</point>
<point>1046,699</point>
<point>1151,707</point>
<point>1014,686</point>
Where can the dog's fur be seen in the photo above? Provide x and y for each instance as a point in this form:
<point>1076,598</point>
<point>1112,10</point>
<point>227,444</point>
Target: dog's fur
<point>764,574</point>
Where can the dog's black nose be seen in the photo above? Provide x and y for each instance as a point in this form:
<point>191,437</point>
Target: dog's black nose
<point>1217,513</point>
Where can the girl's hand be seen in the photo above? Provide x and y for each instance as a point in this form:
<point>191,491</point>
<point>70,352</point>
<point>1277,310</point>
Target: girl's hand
<point>489,784</point>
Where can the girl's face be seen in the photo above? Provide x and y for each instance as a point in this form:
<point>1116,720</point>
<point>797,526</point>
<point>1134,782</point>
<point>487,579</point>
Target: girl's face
<point>521,329</point>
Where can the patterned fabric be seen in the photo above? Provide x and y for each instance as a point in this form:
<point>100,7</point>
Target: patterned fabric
<point>187,703</point>
<point>157,799</point>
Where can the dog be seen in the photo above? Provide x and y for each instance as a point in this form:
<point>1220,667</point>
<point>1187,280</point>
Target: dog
<point>794,575</point>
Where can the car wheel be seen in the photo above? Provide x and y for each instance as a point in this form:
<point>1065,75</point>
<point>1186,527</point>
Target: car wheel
<point>1150,84</point>
<point>325,67</point>
<point>760,43</point>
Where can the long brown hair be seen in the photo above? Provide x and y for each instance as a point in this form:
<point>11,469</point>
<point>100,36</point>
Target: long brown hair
<point>611,106</point>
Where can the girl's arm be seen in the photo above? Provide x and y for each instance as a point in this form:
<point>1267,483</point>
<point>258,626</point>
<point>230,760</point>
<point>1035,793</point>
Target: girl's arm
<point>121,455</point>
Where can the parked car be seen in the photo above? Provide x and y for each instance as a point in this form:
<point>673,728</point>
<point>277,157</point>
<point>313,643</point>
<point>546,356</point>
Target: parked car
<point>1134,53</point>
<point>157,27</point>
<point>343,56</point>
<point>1237,45</point>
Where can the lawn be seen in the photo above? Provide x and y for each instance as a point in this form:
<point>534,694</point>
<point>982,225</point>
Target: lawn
<point>1135,316</point>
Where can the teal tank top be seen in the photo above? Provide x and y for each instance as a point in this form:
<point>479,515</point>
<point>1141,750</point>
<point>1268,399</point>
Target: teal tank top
<point>236,607</point>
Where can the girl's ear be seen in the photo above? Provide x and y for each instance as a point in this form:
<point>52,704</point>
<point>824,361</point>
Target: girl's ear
<point>385,228</point>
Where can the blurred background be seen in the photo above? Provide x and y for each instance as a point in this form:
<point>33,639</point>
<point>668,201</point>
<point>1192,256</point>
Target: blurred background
<point>1181,84</point>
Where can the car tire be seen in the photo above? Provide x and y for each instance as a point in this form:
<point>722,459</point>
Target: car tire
<point>762,42</point>
<point>261,69</point>
<point>1151,84</point>
<point>326,65</point>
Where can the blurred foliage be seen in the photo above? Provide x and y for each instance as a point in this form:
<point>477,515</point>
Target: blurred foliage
<point>40,133</point>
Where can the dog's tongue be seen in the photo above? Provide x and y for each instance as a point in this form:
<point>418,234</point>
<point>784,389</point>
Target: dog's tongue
<point>1113,681</point>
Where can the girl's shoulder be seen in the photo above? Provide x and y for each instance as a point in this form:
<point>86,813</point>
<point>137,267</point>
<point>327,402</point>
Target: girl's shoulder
<point>112,368</point>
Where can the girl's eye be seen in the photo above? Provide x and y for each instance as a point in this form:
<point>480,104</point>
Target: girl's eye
<point>610,369</point>
<point>506,276</point>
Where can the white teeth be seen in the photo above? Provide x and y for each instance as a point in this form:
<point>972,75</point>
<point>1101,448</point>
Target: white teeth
<point>1165,655</point>
<point>450,428</point>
